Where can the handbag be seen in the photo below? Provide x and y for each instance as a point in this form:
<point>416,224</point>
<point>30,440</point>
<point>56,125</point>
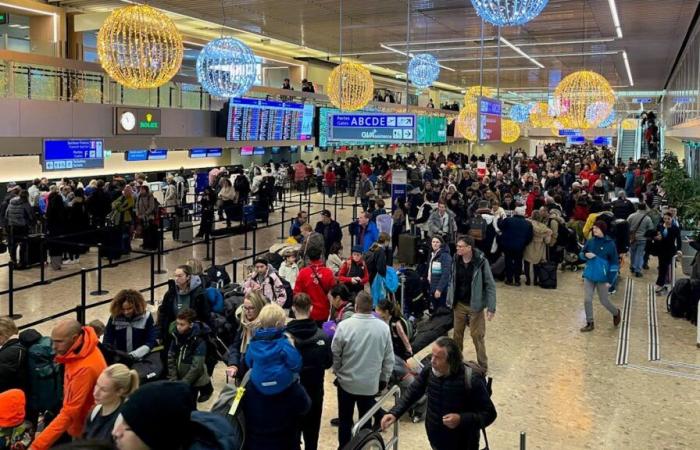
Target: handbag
<point>633,234</point>
<point>597,270</point>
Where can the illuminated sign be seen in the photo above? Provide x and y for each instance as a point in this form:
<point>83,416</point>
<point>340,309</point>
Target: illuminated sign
<point>206,152</point>
<point>72,154</point>
<point>4,18</point>
<point>372,128</point>
<point>138,121</point>
<point>569,132</point>
<point>488,123</point>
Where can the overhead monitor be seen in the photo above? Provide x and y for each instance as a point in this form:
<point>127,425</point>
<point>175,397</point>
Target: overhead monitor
<point>146,155</point>
<point>575,140</point>
<point>371,127</point>
<point>603,140</point>
<point>259,151</point>
<point>206,152</point>
<point>246,151</point>
<point>252,119</point>
<point>72,154</point>
<point>488,122</point>
<point>275,150</point>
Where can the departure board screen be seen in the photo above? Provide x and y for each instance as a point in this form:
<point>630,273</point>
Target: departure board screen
<point>489,119</point>
<point>71,154</point>
<point>264,120</point>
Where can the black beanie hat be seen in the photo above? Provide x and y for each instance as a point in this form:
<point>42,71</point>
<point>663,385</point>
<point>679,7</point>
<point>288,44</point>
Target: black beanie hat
<point>159,413</point>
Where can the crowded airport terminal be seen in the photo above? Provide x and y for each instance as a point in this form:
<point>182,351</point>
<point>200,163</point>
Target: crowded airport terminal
<point>296,224</point>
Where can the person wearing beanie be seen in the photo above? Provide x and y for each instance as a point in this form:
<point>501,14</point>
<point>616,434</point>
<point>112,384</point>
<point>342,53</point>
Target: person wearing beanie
<point>76,349</point>
<point>15,432</point>
<point>602,262</point>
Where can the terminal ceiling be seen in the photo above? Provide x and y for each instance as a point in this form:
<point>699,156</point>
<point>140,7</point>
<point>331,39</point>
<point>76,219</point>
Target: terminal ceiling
<point>653,33</point>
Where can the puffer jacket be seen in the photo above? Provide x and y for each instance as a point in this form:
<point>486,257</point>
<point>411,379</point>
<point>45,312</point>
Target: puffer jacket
<point>315,349</point>
<point>13,372</point>
<point>19,213</point>
<point>187,355</point>
<point>516,233</point>
<point>448,395</point>
<point>440,270</point>
<point>270,284</point>
<point>273,361</point>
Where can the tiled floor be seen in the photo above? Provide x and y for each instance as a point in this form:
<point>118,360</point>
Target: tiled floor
<point>558,385</point>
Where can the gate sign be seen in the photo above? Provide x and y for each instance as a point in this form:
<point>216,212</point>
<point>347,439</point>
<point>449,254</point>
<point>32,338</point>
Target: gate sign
<point>373,128</point>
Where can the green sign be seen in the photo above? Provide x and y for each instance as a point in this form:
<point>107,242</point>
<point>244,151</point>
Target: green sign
<point>4,18</point>
<point>149,123</point>
<point>139,121</point>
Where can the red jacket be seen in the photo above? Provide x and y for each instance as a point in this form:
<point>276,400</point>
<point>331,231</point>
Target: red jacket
<point>83,364</point>
<point>345,268</point>
<point>316,280</point>
<point>329,178</point>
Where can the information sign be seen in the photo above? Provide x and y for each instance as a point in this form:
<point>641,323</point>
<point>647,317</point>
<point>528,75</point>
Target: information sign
<point>373,128</point>
<point>71,154</point>
<point>489,119</point>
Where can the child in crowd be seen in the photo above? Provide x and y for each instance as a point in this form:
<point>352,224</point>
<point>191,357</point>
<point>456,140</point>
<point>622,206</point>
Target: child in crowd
<point>274,362</point>
<point>15,432</point>
<point>289,269</point>
<point>187,355</point>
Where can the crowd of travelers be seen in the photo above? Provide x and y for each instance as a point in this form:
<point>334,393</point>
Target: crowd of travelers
<point>417,267</point>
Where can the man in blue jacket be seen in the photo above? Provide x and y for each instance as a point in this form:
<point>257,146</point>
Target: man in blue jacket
<point>365,231</point>
<point>516,233</point>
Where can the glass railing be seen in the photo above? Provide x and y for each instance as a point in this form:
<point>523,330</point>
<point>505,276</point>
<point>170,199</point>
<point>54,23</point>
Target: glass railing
<point>681,103</point>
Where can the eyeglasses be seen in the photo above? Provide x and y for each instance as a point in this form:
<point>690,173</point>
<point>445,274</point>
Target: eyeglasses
<point>249,308</point>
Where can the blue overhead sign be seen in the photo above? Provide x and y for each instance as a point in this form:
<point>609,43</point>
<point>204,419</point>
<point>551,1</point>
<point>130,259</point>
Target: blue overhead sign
<point>375,128</point>
<point>683,100</point>
<point>569,132</point>
<point>206,152</point>
<point>71,154</point>
<point>146,155</point>
<point>642,100</point>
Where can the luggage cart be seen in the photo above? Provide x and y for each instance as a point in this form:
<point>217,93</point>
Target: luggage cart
<point>394,441</point>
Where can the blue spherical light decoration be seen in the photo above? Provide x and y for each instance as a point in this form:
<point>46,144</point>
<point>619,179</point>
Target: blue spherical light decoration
<point>226,67</point>
<point>423,70</point>
<point>520,112</point>
<point>608,120</point>
<point>508,13</point>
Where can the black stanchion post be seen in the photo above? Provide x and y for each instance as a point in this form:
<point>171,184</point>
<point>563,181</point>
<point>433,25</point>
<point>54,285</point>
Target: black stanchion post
<point>213,251</point>
<point>11,292</point>
<point>160,250</point>
<point>99,290</point>
<point>206,244</point>
<point>153,279</point>
<point>522,440</point>
<point>83,295</point>
<point>235,271</point>
<point>42,256</point>
<point>323,199</point>
<point>245,238</point>
<point>255,234</point>
<point>300,200</point>
<point>342,206</point>
<point>308,207</point>
<point>354,211</point>
<point>282,226</point>
<point>335,206</point>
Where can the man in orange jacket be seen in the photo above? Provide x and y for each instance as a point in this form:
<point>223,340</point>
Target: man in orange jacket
<point>76,348</point>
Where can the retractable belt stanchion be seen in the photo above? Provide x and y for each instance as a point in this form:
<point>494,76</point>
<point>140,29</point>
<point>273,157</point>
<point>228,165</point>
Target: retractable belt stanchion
<point>153,279</point>
<point>160,251</point>
<point>235,271</point>
<point>42,255</point>
<point>522,440</point>
<point>11,292</point>
<point>255,234</point>
<point>282,226</point>
<point>99,290</point>
<point>206,244</point>
<point>213,250</point>
<point>83,296</point>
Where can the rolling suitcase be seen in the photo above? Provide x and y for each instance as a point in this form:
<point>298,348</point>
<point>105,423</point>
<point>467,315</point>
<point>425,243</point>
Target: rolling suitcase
<point>546,274</point>
<point>30,251</point>
<point>185,231</point>
<point>407,248</point>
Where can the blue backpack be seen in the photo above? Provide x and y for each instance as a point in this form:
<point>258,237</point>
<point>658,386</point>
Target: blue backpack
<point>216,299</point>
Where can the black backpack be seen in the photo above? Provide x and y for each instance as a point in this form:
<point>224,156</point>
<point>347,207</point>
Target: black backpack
<point>682,301</point>
<point>477,227</point>
<point>289,291</point>
<point>45,375</point>
<point>218,276</point>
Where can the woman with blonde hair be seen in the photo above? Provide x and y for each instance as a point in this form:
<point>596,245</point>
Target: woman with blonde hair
<point>114,385</point>
<point>247,316</point>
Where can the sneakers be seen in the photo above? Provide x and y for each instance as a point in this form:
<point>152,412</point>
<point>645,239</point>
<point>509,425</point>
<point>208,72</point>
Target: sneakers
<point>660,290</point>
<point>638,274</point>
<point>617,318</point>
<point>612,291</point>
<point>589,327</point>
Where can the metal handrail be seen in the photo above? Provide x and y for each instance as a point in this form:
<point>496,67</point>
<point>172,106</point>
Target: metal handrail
<point>394,441</point>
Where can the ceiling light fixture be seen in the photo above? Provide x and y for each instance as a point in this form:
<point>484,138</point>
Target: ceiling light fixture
<point>522,53</point>
<point>494,69</point>
<point>627,66</point>
<point>615,18</point>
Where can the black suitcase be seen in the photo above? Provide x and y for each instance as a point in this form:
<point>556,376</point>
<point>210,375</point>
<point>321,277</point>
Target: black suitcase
<point>150,237</point>
<point>407,251</point>
<point>546,274</point>
<point>262,211</point>
<point>30,253</point>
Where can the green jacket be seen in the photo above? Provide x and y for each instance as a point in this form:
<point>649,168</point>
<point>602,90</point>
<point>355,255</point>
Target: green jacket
<point>187,357</point>
<point>483,285</point>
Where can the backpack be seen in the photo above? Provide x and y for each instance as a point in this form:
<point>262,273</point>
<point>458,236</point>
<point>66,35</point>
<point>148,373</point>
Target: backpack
<point>228,406</point>
<point>211,431</point>
<point>563,234</point>
<point>45,375</point>
<point>682,301</point>
<point>218,276</point>
<point>289,292</point>
<point>477,227</point>
<point>224,324</point>
<point>217,350</point>
<point>408,326</point>
<point>216,299</point>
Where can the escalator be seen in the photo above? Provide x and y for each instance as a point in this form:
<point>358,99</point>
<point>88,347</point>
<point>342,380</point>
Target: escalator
<point>629,144</point>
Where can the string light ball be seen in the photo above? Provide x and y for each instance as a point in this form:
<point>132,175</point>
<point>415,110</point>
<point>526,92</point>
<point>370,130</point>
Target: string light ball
<point>423,70</point>
<point>226,68</point>
<point>466,122</point>
<point>510,131</point>
<point>609,121</point>
<point>350,86</point>
<point>140,47</point>
<point>583,99</point>
<point>476,91</point>
<point>508,13</point>
<point>540,115</point>
<point>520,112</point>
<point>629,124</point>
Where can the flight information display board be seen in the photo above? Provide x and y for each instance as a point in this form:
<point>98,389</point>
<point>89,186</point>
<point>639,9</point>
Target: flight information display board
<point>72,154</point>
<point>264,120</point>
<point>488,122</point>
<point>146,155</point>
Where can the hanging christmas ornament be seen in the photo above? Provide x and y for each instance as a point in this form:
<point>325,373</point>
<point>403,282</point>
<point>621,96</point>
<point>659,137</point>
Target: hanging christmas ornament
<point>520,112</point>
<point>423,70</point>
<point>350,86</point>
<point>510,131</point>
<point>507,13</point>
<point>226,68</point>
<point>583,100</point>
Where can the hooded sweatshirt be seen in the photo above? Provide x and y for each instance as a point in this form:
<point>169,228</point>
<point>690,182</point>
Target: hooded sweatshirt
<point>15,432</point>
<point>83,364</point>
<point>274,362</point>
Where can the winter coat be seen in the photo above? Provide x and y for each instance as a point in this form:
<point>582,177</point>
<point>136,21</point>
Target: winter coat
<point>604,248</point>
<point>170,198</point>
<point>270,284</point>
<point>376,263</point>
<point>448,395</point>
<point>669,244</point>
<point>19,213</point>
<point>273,361</point>
<point>187,356</point>
<point>167,312</point>
<point>83,364</point>
<point>146,207</point>
<point>289,406</point>
<point>316,280</point>
<point>364,189</point>
<point>334,262</point>
<point>289,273</point>
<point>516,233</point>
<point>128,334</point>
<point>536,250</point>
<point>640,223</point>
<point>440,270</point>
<point>315,349</point>
<point>622,208</point>
<point>122,210</point>
<point>98,206</point>
<point>435,225</point>
<point>370,237</point>
<point>331,233</point>
<point>483,288</point>
<point>13,373</point>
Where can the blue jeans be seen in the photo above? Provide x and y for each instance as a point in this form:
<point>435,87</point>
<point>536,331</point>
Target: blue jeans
<point>637,255</point>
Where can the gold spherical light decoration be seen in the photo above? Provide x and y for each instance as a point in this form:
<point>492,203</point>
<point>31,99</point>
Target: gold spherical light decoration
<point>140,47</point>
<point>540,116</point>
<point>510,131</point>
<point>629,124</point>
<point>466,122</point>
<point>350,86</point>
<point>583,99</point>
<point>476,91</point>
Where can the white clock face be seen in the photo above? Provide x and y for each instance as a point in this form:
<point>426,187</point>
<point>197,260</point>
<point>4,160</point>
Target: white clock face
<point>128,121</point>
